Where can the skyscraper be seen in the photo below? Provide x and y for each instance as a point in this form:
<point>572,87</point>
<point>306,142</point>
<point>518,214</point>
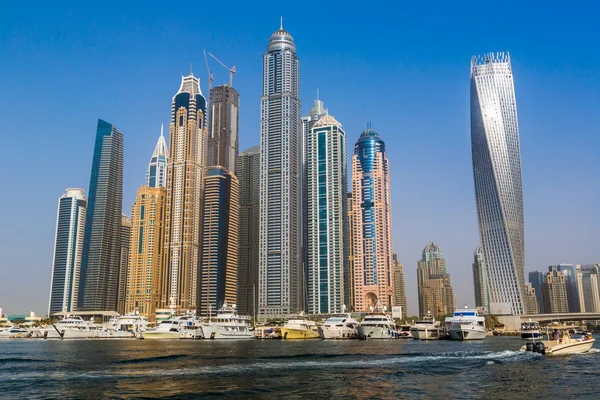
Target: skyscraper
<point>574,294</point>
<point>223,127</point>
<point>497,176</point>
<point>480,282</point>
<point>435,292</point>
<point>186,169</point>
<point>349,272</point>
<point>280,258</point>
<point>372,233</point>
<point>219,250</point>
<point>531,299</point>
<point>555,293</point>
<point>144,279</point>
<point>68,245</point>
<point>124,263</point>
<point>537,278</point>
<point>399,286</point>
<point>156,175</point>
<point>248,173</point>
<point>327,180</point>
<point>101,254</point>
<point>589,289</point>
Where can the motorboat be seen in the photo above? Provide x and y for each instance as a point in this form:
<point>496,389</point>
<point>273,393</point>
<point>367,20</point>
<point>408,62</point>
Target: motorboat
<point>404,332</point>
<point>561,343</point>
<point>228,325</point>
<point>339,327</point>
<point>170,328</point>
<point>466,324</point>
<point>427,328</point>
<point>13,332</point>
<point>377,326</point>
<point>531,330</point>
<point>300,328</point>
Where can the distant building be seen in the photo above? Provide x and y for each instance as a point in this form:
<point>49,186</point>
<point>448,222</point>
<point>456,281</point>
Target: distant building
<point>537,278</point>
<point>531,299</point>
<point>349,273</point>
<point>372,224</point>
<point>435,292</point>
<point>68,245</point>
<point>588,282</point>
<point>480,282</point>
<point>223,127</point>
<point>220,245</point>
<point>327,182</point>
<point>144,280</point>
<point>555,293</point>
<point>399,286</point>
<point>497,177</point>
<point>574,293</point>
<point>248,173</point>
<point>124,264</point>
<point>101,256</point>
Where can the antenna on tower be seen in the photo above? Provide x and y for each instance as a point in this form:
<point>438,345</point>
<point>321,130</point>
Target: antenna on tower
<point>210,76</point>
<point>191,73</point>
<point>317,94</point>
<point>161,129</point>
<point>281,23</point>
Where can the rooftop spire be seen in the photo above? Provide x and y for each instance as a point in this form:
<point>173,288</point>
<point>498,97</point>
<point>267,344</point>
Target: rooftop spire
<point>161,130</point>
<point>281,23</point>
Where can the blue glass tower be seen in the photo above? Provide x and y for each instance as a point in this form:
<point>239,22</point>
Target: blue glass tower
<point>101,255</point>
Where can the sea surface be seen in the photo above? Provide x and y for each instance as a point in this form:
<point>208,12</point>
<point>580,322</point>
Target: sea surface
<point>489,369</point>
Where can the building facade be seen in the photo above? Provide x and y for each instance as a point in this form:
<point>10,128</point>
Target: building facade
<point>223,127</point>
<point>572,282</point>
<point>327,180</point>
<point>498,183</point>
<point>220,244</point>
<point>588,282</point>
<point>68,246</point>
<point>372,223</point>
<point>399,287</point>
<point>433,281</point>
<point>555,293</point>
<point>349,272</point>
<point>124,263</point>
<point>480,282</point>
<point>144,279</point>
<point>101,256</point>
<point>248,173</point>
<point>281,273</point>
<point>537,278</point>
<point>531,299</point>
<point>185,171</point>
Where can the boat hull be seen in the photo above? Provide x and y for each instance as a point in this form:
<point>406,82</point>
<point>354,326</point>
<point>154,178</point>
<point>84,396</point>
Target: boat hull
<point>426,334</point>
<point>576,346</point>
<point>290,333</point>
<point>370,332</point>
<point>467,332</point>
<point>335,332</point>
<point>531,335</point>
<point>149,335</point>
<point>216,332</point>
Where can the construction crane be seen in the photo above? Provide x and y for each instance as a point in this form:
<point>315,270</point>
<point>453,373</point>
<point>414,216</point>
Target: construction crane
<point>211,78</point>
<point>231,70</point>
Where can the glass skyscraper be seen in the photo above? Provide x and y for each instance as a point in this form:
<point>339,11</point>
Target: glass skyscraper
<point>327,182</point>
<point>497,176</point>
<point>537,278</point>
<point>68,245</point>
<point>101,255</point>
<point>280,257</point>
<point>372,224</point>
<point>186,170</point>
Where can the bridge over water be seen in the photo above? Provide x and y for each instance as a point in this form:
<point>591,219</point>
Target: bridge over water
<point>513,322</point>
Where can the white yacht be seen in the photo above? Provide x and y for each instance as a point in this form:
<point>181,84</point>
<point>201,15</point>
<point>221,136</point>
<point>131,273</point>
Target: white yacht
<point>131,323</point>
<point>377,326</point>
<point>427,328</point>
<point>228,325</point>
<point>74,327</point>
<point>170,328</point>
<point>339,327</point>
<point>13,331</point>
<point>466,324</point>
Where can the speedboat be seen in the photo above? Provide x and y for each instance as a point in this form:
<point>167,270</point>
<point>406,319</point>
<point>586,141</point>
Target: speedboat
<point>531,330</point>
<point>13,332</point>
<point>300,329</point>
<point>466,324</point>
<point>377,326</point>
<point>339,327</point>
<point>427,328</point>
<point>170,328</point>
<point>562,343</point>
<point>228,325</point>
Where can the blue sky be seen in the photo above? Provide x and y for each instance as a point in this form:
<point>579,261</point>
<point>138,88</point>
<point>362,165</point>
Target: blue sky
<point>402,67</point>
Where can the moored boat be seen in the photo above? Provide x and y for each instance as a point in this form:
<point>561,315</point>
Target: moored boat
<point>377,326</point>
<point>427,328</point>
<point>466,324</point>
<point>300,328</point>
<point>339,327</point>
<point>170,328</point>
<point>228,325</point>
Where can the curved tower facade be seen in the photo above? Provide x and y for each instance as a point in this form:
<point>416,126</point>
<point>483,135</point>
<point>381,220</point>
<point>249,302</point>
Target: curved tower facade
<point>186,170</point>
<point>280,255</point>
<point>372,224</point>
<point>497,176</point>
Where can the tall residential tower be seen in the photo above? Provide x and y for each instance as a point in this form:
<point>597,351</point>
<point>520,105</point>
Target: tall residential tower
<point>223,127</point>
<point>280,258</point>
<point>497,176</point>
<point>101,255</point>
<point>435,292</point>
